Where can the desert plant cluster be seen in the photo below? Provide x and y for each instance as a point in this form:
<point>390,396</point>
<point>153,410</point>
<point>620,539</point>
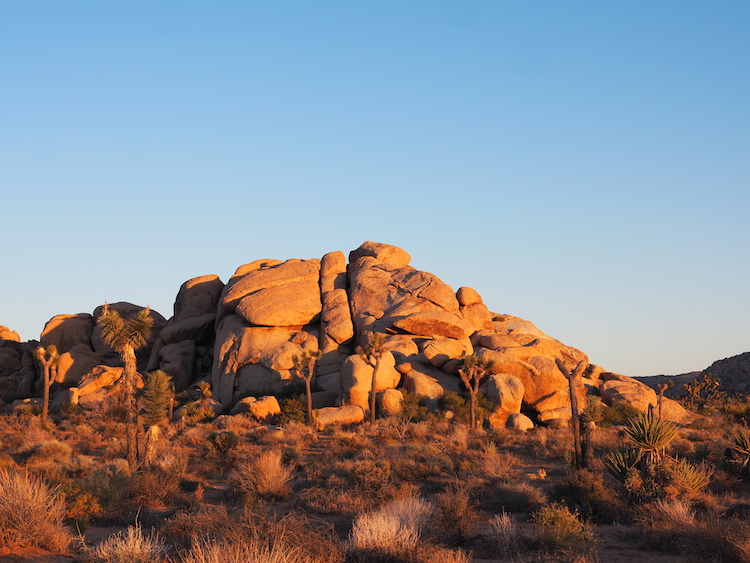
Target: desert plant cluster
<point>428,485</point>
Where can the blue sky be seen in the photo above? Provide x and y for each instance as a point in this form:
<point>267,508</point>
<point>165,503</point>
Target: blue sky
<point>582,165</point>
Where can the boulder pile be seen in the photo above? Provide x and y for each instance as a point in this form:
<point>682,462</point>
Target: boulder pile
<point>243,337</point>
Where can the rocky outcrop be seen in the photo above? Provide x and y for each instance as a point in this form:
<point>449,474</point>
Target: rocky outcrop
<point>7,334</point>
<point>245,335</point>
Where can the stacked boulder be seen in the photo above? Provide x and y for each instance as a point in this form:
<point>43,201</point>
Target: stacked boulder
<point>244,337</point>
<point>184,348</point>
<point>17,367</point>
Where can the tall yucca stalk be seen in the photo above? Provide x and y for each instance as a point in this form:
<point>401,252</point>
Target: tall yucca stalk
<point>49,358</point>
<point>125,336</point>
<point>651,434</point>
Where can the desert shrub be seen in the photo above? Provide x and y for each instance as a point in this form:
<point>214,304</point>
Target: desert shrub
<point>223,443</point>
<point>293,409</point>
<point>672,526</point>
<point>110,483</point>
<point>511,497</point>
<point>703,452</point>
<point>371,474</point>
<point>393,528</point>
<point>461,408</point>
<point>267,476</point>
<point>207,522</point>
<point>31,514</point>
<point>587,491</point>
<point>618,415</point>
<point>498,465</point>
<point>153,487</point>
<point>80,505</point>
<point>129,546</point>
<point>414,408</point>
<point>559,528</point>
<point>457,514</point>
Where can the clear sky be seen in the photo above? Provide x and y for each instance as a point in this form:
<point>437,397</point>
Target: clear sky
<point>583,165</point>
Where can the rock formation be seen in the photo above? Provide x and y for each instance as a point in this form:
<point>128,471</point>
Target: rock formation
<point>242,336</point>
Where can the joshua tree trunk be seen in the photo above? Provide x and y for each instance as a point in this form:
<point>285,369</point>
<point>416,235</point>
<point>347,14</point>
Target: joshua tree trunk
<point>48,357</point>
<point>661,387</point>
<point>128,355</point>
<point>572,378</point>
<point>373,387</point>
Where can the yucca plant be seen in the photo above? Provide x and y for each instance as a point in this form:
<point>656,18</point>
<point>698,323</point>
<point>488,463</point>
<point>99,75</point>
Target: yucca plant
<point>651,434</point>
<point>619,462</point>
<point>694,478</point>
<point>157,397</point>
<point>740,445</point>
<point>472,371</point>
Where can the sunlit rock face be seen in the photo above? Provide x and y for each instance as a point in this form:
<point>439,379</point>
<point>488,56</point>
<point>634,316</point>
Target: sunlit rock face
<point>243,338</point>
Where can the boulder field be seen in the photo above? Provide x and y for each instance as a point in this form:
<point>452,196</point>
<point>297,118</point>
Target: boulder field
<point>243,336</point>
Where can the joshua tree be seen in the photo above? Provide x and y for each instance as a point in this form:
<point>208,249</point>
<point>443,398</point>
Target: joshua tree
<point>372,352</point>
<point>473,369</point>
<point>49,358</point>
<point>158,397</point>
<point>573,377</point>
<point>125,336</point>
<point>304,367</point>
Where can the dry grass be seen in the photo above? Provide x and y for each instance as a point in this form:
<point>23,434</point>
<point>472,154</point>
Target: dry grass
<point>267,476</point>
<point>129,546</point>
<point>31,514</point>
<point>394,528</point>
<point>250,551</point>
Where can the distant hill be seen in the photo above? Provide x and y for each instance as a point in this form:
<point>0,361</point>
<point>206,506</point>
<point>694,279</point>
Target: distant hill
<point>734,373</point>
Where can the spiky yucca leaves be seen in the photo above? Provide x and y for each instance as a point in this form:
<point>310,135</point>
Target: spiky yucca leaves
<point>592,411</point>
<point>372,352</point>
<point>693,478</point>
<point>157,396</point>
<point>473,369</point>
<point>304,367</point>
<point>49,358</point>
<point>125,336</point>
<point>618,463</point>
<point>651,434</point>
<point>739,443</point>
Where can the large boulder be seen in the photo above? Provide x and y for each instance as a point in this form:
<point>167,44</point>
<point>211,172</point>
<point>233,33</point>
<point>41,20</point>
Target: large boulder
<point>356,379</point>
<point>286,294</point>
<point>339,416</point>
<point>439,350</point>
<point>384,289</point>
<point>74,364</point>
<point>506,393</point>
<point>628,391</point>
<point>197,297</point>
<point>178,361</point>
<point>66,331</point>
<point>7,334</point>
<point>391,256</point>
<point>251,360</point>
<point>435,324</point>
<point>261,408</point>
